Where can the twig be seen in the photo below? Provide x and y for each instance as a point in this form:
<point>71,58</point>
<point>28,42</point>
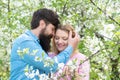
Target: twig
<point>64,8</point>
<point>90,57</point>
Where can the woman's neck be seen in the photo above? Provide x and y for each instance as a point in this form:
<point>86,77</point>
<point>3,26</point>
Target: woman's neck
<point>73,54</point>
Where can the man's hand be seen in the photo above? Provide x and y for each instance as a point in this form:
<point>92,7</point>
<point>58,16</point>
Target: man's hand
<point>73,41</point>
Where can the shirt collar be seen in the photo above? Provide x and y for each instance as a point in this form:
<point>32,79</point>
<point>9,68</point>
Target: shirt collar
<point>28,32</point>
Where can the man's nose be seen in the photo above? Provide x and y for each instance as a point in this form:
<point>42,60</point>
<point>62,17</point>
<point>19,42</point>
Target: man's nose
<point>53,33</point>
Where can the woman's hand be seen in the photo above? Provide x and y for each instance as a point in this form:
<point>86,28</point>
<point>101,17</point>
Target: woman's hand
<point>74,75</point>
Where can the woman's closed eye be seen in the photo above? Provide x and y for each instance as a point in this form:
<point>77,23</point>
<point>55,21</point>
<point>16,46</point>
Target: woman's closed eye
<point>65,38</point>
<point>56,37</point>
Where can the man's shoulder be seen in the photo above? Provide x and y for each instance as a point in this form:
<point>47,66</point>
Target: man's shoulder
<point>22,37</point>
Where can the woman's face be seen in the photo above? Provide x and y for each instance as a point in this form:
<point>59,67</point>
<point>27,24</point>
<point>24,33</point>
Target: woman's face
<point>61,39</point>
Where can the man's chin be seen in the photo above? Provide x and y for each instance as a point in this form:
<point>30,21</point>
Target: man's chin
<point>50,36</point>
<point>45,42</point>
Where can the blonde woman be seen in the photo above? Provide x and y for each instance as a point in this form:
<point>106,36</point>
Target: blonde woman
<point>73,68</point>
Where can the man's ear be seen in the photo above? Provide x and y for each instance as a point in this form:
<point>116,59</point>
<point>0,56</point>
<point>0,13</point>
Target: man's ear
<point>42,24</point>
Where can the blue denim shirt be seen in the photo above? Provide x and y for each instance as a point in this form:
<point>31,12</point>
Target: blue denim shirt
<point>19,63</point>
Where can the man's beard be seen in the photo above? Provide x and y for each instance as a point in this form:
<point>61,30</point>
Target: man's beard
<point>45,41</point>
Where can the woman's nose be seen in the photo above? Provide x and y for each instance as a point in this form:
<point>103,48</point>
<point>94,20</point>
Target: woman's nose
<point>59,41</point>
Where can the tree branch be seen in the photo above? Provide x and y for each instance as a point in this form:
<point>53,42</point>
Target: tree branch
<point>90,57</point>
<point>105,13</point>
<point>8,12</point>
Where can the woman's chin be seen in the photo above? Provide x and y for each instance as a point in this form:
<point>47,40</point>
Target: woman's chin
<point>60,49</point>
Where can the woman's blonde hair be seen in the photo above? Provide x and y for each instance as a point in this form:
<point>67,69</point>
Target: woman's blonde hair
<point>66,28</point>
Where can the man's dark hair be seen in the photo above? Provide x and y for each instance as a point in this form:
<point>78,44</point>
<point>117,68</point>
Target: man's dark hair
<point>44,14</point>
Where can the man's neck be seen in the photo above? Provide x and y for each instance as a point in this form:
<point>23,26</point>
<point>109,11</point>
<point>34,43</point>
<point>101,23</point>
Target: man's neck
<point>35,32</point>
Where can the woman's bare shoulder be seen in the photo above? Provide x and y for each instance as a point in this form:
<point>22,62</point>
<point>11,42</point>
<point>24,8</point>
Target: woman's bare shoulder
<point>81,56</point>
